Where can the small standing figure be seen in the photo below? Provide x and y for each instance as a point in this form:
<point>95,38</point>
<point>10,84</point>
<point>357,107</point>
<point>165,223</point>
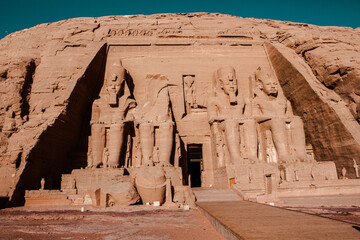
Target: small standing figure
<point>343,173</point>
<point>73,183</point>
<point>42,183</point>
<point>106,157</point>
<point>189,89</point>
<point>356,166</point>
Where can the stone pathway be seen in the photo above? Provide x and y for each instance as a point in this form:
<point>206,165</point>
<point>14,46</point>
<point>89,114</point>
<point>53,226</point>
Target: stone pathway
<point>215,195</point>
<point>247,220</point>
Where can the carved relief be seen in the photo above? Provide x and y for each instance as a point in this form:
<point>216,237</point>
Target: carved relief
<point>235,33</point>
<point>189,92</point>
<point>131,32</point>
<point>144,32</point>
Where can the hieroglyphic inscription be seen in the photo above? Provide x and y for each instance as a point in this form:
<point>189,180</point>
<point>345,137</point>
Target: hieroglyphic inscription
<point>143,32</point>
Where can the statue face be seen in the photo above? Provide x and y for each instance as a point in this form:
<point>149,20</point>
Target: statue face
<point>270,87</point>
<point>228,81</point>
<point>114,84</point>
<point>267,83</point>
<point>189,80</point>
<point>114,77</point>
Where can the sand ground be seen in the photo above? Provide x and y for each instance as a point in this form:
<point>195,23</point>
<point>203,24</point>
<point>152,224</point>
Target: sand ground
<point>128,223</point>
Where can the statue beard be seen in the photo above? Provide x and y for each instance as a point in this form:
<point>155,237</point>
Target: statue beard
<point>232,96</point>
<point>273,94</point>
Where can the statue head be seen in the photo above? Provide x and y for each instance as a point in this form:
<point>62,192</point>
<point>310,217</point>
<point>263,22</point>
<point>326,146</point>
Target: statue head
<point>114,80</point>
<point>189,80</point>
<point>266,82</point>
<point>226,80</point>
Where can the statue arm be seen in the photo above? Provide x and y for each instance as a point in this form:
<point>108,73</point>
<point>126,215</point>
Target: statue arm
<point>241,102</point>
<point>212,110</point>
<point>288,110</point>
<point>248,111</point>
<point>96,112</point>
<point>256,108</point>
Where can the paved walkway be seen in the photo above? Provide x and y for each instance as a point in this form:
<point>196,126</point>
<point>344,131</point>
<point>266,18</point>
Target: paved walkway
<point>215,195</point>
<point>248,220</point>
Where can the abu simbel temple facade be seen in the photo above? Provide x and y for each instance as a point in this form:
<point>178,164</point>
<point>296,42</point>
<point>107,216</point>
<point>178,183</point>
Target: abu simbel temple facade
<point>119,110</point>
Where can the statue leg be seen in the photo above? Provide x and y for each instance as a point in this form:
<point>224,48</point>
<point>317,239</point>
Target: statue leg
<point>280,138</point>
<point>232,137</point>
<point>97,143</point>
<point>147,143</point>
<point>166,139</point>
<point>298,138</point>
<point>251,140</point>
<point>89,154</point>
<point>217,132</point>
<point>116,138</point>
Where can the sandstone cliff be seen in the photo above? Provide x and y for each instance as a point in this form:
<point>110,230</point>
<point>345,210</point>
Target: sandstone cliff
<point>51,73</point>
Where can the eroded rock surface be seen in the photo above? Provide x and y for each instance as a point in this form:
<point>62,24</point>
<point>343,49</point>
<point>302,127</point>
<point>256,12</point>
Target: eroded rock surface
<point>51,74</point>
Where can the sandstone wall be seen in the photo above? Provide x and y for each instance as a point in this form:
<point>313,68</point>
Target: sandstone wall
<point>49,75</point>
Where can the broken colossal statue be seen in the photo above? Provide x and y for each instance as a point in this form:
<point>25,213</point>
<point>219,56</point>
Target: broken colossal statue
<point>154,121</point>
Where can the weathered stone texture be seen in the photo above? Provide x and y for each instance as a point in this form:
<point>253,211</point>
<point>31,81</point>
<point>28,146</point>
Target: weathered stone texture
<point>327,127</point>
<point>50,74</point>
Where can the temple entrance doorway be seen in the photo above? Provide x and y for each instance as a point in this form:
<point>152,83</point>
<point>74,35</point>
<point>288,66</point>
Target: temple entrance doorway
<point>195,164</point>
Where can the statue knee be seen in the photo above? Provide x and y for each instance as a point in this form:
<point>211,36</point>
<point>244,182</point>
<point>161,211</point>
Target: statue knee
<point>167,126</point>
<point>145,126</point>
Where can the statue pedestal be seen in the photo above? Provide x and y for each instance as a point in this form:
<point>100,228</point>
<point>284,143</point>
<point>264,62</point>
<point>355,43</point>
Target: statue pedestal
<point>99,187</point>
<point>267,178</point>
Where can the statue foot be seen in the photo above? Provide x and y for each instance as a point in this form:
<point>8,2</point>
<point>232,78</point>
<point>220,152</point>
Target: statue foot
<point>305,159</point>
<point>112,166</point>
<point>239,161</point>
<point>165,165</point>
<point>287,159</point>
<point>148,163</point>
<point>254,160</point>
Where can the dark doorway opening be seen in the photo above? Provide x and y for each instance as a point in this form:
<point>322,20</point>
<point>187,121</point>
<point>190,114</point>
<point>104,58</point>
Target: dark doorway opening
<point>194,156</point>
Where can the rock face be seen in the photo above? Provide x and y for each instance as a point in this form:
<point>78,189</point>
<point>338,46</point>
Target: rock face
<point>51,74</point>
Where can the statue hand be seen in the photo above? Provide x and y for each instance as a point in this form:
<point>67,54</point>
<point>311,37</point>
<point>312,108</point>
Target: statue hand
<point>215,119</point>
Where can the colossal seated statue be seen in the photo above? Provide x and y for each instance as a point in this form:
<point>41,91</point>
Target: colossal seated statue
<point>109,112</point>
<point>273,111</point>
<point>226,109</point>
<point>156,114</point>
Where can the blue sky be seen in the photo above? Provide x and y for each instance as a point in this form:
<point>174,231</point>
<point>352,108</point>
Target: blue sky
<point>20,14</point>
